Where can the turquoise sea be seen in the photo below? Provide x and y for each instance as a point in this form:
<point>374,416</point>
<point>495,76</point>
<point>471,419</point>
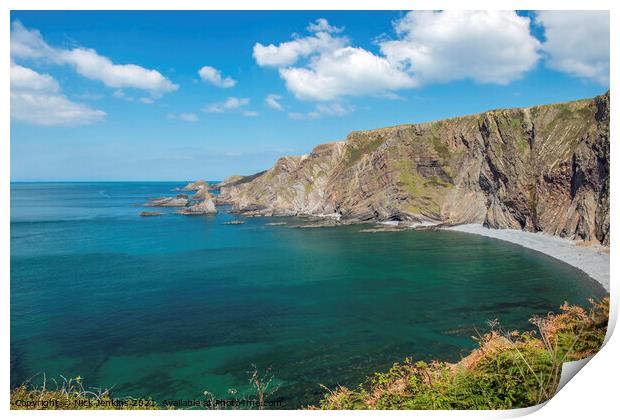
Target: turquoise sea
<point>171,306</point>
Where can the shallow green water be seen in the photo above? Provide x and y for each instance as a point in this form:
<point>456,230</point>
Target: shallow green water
<point>172,306</point>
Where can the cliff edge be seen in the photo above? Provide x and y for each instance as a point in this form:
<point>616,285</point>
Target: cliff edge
<point>543,168</point>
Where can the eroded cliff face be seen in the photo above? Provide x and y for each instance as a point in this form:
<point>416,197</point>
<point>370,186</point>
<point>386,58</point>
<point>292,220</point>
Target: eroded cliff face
<point>544,168</point>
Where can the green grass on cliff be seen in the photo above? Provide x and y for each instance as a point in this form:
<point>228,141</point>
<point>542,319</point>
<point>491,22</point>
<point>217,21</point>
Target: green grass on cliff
<point>425,193</point>
<point>355,151</point>
<point>508,370</point>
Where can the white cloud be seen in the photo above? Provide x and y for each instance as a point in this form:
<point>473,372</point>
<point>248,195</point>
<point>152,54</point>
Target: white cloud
<point>28,43</point>
<point>333,68</point>
<point>93,66</point>
<point>273,102</point>
<point>321,110</point>
<point>322,25</point>
<point>25,78</point>
<point>187,117</point>
<point>577,42</point>
<point>485,46</point>
<point>288,53</point>
<point>431,47</point>
<point>46,109</point>
<point>214,76</point>
<point>250,114</point>
<point>228,105</point>
<point>88,63</point>
<point>36,99</point>
<point>345,71</point>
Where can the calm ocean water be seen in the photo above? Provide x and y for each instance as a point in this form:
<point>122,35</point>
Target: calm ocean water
<point>172,306</point>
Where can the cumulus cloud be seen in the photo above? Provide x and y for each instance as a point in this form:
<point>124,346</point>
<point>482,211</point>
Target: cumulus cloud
<point>187,117</point>
<point>273,102</point>
<point>485,46</point>
<point>429,47</point>
<point>88,63</point>
<point>577,42</point>
<point>228,105</point>
<point>250,114</point>
<point>36,99</point>
<point>287,53</point>
<point>345,71</point>
<point>214,76</point>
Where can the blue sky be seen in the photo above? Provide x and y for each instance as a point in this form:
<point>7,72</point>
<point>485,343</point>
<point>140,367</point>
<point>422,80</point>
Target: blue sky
<point>120,95</point>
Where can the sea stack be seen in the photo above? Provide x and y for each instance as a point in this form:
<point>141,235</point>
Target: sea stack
<point>206,206</point>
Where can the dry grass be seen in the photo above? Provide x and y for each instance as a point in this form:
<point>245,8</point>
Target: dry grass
<point>71,394</point>
<point>510,369</point>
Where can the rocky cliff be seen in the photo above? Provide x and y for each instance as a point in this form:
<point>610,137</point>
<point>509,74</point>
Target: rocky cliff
<point>544,168</point>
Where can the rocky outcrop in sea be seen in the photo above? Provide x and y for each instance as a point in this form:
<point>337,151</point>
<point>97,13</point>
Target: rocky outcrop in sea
<point>202,202</point>
<point>149,214</point>
<point>180,200</point>
<point>197,185</point>
<point>204,207</point>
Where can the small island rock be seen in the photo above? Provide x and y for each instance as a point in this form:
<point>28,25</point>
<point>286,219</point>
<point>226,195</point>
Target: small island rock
<point>167,202</point>
<point>149,213</point>
<point>207,206</point>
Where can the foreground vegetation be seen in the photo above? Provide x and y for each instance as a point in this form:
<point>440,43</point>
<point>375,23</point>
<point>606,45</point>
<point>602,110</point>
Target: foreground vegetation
<point>509,369</point>
<point>71,394</point>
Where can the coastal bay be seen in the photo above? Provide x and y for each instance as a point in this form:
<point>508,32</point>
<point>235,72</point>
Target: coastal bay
<point>171,306</point>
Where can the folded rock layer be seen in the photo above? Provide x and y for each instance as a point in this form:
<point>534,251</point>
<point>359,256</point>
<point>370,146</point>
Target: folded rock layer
<point>543,168</point>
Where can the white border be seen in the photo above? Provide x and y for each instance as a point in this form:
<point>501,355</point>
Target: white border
<point>591,395</point>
